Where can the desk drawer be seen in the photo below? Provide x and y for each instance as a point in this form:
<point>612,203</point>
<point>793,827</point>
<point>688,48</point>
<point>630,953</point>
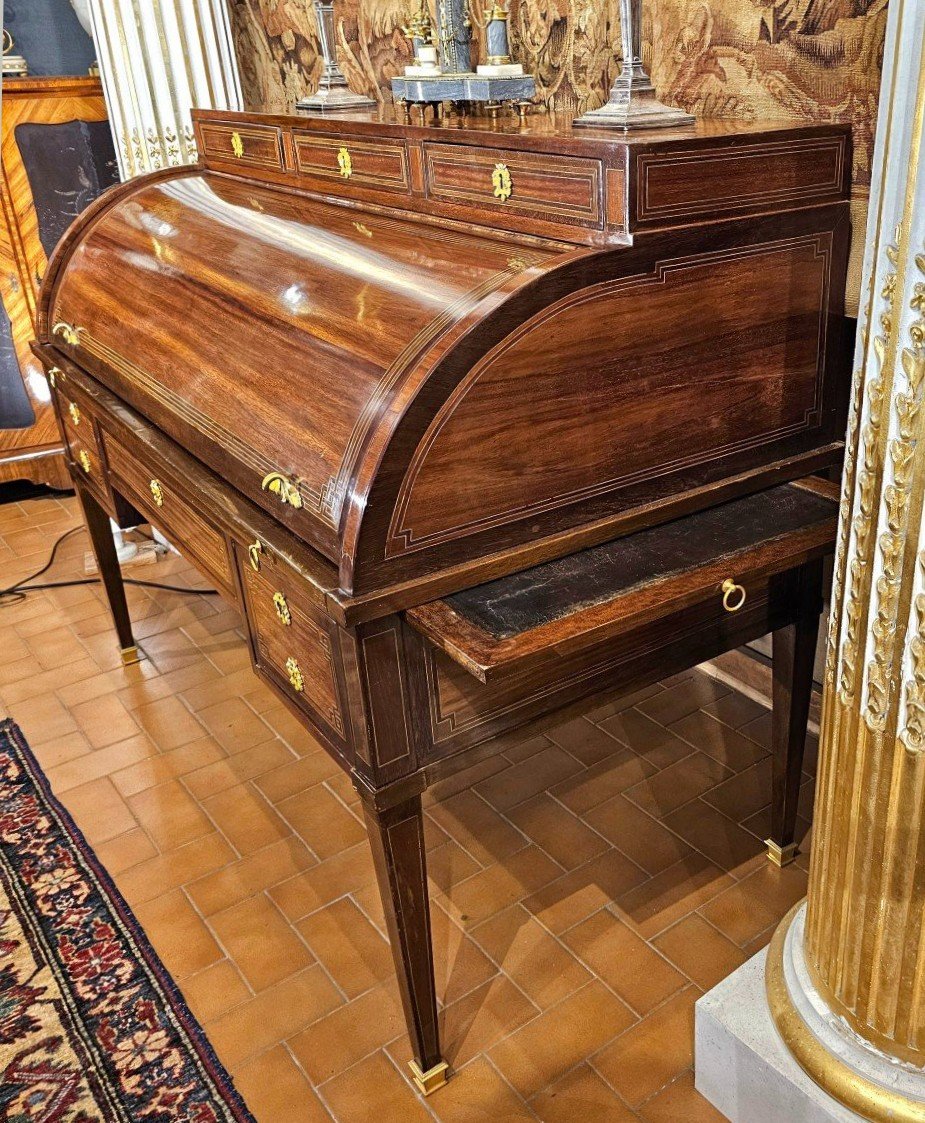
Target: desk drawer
<point>294,642</point>
<point>79,429</point>
<point>252,145</point>
<point>720,561</point>
<point>351,162</point>
<point>150,489</point>
<point>553,188</point>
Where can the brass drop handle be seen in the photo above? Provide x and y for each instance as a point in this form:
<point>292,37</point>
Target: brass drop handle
<point>74,410</point>
<point>68,332</point>
<point>254,550</point>
<point>733,595</point>
<point>344,162</point>
<point>295,675</point>
<point>54,376</point>
<point>83,458</point>
<point>237,145</point>
<point>157,492</point>
<point>285,489</point>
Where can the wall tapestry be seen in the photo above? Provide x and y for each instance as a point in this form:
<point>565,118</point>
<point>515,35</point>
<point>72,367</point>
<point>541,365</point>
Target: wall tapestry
<point>818,60</point>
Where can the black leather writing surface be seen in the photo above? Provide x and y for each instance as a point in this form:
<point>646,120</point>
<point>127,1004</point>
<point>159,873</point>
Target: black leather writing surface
<point>15,408</point>
<point>547,592</point>
<point>68,165</point>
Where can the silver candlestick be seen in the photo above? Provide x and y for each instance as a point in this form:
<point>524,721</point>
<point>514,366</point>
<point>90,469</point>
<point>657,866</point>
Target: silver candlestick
<point>633,103</point>
<point>333,91</point>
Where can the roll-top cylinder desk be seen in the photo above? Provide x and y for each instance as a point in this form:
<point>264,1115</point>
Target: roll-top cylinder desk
<point>473,421</point>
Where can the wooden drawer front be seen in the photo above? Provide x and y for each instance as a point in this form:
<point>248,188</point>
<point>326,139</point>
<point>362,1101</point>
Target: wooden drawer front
<point>559,188</point>
<point>147,488</point>
<point>351,162</point>
<point>294,640</point>
<point>721,559</point>
<point>253,145</point>
<point>80,433</point>
<point>464,711</point>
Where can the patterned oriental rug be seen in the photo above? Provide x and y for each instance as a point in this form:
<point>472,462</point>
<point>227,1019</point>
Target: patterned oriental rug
<point>92,1028</point>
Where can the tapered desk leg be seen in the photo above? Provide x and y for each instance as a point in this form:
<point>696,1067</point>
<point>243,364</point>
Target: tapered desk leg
<point>107,560</point>
<point>396,836</point>
<point>794,650</point>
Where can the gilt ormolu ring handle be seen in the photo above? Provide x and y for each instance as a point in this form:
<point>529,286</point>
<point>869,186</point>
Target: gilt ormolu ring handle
<point>733,595</point>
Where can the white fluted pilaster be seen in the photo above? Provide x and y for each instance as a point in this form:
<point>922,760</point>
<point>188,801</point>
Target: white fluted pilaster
<point>159,59</point>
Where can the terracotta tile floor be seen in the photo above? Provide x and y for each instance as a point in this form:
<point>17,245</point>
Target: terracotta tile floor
<point>588,885</point>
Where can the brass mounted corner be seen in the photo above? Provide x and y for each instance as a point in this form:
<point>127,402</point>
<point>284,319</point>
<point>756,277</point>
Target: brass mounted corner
<point>781,856</point>
<point>285,488</point>
<point>432,1079</point>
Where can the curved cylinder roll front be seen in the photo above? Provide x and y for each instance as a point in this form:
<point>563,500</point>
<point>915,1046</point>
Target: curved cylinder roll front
<point>407,394</point>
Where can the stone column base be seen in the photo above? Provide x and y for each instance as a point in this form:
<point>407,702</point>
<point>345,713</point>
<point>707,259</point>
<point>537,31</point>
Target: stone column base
<point>766,1044</point>
<point>742,1066</point>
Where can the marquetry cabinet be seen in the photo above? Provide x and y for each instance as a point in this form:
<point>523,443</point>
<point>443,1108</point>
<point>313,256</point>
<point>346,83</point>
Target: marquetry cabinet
<point>57,157</point>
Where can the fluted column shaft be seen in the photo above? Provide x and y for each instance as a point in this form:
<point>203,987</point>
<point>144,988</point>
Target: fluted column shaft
<point>158,59</point>
<point>865,940</point>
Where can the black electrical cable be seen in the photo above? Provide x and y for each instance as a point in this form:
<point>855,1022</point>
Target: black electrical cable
<point>15,594</point>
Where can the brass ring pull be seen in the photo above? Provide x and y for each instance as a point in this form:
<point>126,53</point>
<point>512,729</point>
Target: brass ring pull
<point>733,595</point>
<point>157,492</point>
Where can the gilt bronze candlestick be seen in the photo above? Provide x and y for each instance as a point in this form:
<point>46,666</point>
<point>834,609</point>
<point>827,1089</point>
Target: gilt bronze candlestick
<point>633,103</point>
<point>333,91</point>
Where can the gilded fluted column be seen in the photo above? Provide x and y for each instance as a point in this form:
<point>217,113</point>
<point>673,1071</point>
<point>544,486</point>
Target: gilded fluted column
<point>158,59</point>
<point>846,972</point>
